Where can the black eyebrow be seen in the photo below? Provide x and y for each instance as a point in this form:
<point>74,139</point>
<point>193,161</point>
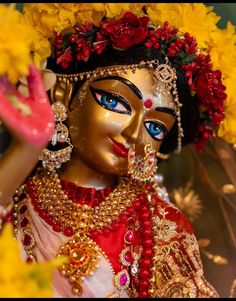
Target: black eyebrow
<point>166,110</point>
<point>126,82</point>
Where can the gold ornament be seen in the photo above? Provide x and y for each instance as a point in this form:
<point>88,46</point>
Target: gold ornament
<point>165,83</point>
<point>139,168</point>
<point>83,217</point>
<point>53,159</point>
<point>83,257</point>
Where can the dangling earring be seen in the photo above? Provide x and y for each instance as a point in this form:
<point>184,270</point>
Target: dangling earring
<point>53,159</point>
<point>162,156</point>
<point>139,168</point>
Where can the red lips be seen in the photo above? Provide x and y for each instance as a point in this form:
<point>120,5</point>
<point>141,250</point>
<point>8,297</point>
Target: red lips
<point>120,149</point>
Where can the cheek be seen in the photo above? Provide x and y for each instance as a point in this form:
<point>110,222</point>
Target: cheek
<point>106,122</point>
<point>92,122</point>
<point>145,138</point>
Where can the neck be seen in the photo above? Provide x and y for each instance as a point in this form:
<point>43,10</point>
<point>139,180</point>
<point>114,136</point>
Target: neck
<point>77,172</point>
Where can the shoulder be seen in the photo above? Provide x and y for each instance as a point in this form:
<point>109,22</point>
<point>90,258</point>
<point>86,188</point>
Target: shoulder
<point>167,213</point>
<point>177,261</point>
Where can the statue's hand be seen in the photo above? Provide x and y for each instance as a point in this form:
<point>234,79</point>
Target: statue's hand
<point>29,119</point>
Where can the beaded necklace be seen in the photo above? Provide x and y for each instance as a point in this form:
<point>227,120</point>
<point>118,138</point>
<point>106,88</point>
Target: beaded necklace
<point>49,199</point>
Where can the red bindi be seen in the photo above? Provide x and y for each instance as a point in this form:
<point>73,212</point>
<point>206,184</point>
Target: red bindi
<point>148,103</point>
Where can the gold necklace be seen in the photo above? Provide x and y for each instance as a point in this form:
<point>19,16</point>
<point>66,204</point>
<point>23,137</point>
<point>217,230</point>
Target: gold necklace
<point>52,199</point>
<point>82,252</point>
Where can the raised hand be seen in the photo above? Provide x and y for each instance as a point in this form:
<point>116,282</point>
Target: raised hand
<point>30,119</point>
<point>31,124</point>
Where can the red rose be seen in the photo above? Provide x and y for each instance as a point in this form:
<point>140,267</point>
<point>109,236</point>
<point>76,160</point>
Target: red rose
<point>127,31</point>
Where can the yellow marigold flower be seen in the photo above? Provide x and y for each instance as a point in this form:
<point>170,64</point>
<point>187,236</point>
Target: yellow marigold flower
<point>116,10</point>
<point>15,39</point>
<point>196,18</point>
<point>227,129</point>
<point>19,279</point>
<point>223,42</point>
<point>93,12</point>
<point>41,49</point>
<point>47,18</point>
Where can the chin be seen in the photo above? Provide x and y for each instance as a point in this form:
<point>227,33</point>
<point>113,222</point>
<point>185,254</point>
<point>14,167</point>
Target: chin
<point>111,165</point>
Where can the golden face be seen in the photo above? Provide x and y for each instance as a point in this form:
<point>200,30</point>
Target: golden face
<point>119,111</point>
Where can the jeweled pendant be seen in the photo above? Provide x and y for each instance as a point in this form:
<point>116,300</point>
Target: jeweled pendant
<point>122,280</point>
<point>129,237</point>
<point>126,257</point>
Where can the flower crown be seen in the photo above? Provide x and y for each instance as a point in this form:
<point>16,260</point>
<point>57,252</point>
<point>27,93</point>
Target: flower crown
<point>75,32</point>
<point>88,40</point>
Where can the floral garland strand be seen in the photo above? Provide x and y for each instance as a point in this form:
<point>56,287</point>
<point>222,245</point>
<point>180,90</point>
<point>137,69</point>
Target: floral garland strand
<point>84,28</point>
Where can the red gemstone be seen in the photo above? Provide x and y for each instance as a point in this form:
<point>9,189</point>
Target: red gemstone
<point>68,231</point>
<point>144,209</point>
<point>123,279</point>
<point>137,204</point>
<point>144,284</point>
<point>147,252</point>
<point>128,257</point>
<point>144,273</point>
<point>148,243</point>
<point>140,164</point>
<point>56,228</point>
<point>143,294</point>
<point>8,217</point>
<point>49,219</point>
<point>145,262</point>
<point>24,222</point>
<point>147,233</point>
<point>27,240</point>
<point>43,214</point>
<point>23,209</point>
<point>148,103</point>
<point>142,197</point>
<point>145,216</point>
<point>148,187</point>
<point>147,224</point>
<point>129,237</point>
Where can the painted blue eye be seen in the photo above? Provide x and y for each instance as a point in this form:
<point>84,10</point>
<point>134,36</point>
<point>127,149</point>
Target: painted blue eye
<point>109,102</point>
<point>156,129</point>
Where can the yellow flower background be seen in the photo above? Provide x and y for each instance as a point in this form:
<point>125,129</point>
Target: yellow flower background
<point>15,40</point>
<point>19,279</point>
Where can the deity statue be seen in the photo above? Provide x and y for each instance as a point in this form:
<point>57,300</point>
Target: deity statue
<point>126,95</point>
